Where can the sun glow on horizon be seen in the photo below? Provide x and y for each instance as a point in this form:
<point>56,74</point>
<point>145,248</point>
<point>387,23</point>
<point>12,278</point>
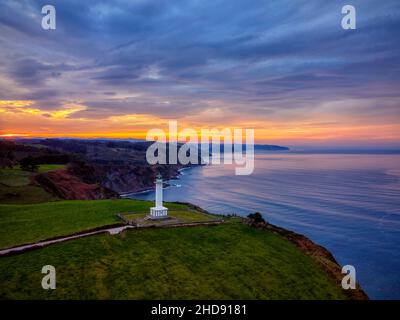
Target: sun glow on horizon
<point>24,118</point>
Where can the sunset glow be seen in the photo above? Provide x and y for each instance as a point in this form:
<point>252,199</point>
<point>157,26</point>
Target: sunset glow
<point>121,80</point>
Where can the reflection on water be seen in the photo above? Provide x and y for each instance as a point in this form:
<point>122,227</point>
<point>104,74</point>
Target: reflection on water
<point>348,203</point>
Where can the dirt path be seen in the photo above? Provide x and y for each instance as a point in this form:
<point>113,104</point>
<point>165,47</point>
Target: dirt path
<point>107,229</point>
<point>45,243</point>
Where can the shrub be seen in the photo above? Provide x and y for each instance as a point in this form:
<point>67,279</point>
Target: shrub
<point>256,217</point>
<point>29,164</point>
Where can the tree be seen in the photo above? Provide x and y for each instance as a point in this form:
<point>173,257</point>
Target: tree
<point>256,217</point>
<point>29,164</point>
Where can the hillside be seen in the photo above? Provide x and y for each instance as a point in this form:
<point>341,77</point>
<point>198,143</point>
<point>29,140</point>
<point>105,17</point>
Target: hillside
<point>269,147</point>
<point>52,219</point>
<point>17,186</point>
<point>238,259</point>
<point>97,169</point>
<point>228,261</point>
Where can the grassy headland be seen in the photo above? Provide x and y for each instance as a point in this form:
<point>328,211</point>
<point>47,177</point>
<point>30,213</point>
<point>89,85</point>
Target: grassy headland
<point>229,261</point>
<point>20,224</point>
<point>16,186</point>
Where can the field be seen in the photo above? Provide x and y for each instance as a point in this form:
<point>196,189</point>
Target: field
<point>15,187</point>
<point>49,167</point>
<point>229,261</point>
<point>20,224</point>
<point>178,215</point>
<point>14,177</point>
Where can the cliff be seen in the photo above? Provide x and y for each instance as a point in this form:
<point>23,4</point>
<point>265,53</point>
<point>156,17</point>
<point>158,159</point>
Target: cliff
<point>62,184</point>
<point>122,178</point>
<point>269,147</point>
<point>120,166</point>
<point>318,253</point>
<point>96,169</point>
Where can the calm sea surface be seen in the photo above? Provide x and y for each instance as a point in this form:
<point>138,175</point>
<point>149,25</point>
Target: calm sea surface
<point>349,203</point>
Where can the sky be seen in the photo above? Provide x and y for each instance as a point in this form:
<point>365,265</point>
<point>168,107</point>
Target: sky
<point>284,68</point>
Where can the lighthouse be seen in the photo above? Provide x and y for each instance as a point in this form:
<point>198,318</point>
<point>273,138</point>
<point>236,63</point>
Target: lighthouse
<point>159,211</point>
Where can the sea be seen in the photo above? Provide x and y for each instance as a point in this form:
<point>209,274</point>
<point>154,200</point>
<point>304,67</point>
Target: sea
<point>346,202</point>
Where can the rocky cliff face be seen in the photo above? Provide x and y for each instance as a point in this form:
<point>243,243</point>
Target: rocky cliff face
<point>62,184</point>
<point>96,169</point>
<point>135,179</point>
<point>122,178</point>
<point>120,166</point>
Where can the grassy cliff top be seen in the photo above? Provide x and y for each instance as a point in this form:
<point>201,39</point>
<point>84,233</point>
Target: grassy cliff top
<point>21,224</point>
<point>16,186</point>
<point>227,261</point>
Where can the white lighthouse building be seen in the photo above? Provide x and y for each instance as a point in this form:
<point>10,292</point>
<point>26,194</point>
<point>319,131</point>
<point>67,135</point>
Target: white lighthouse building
<point>159,211</point>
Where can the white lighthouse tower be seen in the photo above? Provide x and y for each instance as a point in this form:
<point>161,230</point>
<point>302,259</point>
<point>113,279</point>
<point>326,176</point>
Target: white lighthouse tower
<point>159,211</point>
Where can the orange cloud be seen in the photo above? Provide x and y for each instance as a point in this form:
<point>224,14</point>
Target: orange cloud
<point>26,107</point>
<point>23,117</point>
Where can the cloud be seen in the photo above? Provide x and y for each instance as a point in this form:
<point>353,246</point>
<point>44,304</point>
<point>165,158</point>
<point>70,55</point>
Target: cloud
<point>28,107</point>
<point>257,61</point>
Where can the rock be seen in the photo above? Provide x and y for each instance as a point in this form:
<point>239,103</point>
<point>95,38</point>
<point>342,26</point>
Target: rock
<point>62,184</point>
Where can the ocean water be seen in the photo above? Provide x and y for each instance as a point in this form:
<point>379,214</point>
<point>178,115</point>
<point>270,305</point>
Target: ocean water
<point>349,203</point>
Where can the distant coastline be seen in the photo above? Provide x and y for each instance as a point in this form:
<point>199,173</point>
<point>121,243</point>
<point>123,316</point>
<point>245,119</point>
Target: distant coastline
<point>166,183</point>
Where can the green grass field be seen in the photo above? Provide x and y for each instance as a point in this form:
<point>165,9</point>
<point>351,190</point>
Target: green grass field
<point>15,187</point>
<point>16,177</point>
<point>50,167</point>
<point>20,224</point>
<point>229,261</point>
<point>181,215</point>
<point>24,195</point>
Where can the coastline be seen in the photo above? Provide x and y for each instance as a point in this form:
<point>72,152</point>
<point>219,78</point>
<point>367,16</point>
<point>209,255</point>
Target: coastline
<point>323,259</point>
<point>321,255</point>
<point>332,199</point>
<point>124,195</point>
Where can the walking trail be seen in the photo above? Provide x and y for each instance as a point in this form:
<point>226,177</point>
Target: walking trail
<point>45,243</point>
<point>107,229</point>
